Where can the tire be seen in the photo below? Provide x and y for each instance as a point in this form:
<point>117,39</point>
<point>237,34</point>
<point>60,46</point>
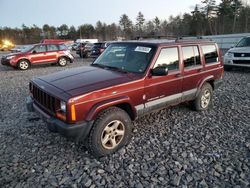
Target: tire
<point>204,99</point>
<point>62,61</point>
<point>102,139</point>
<point>23,64</point>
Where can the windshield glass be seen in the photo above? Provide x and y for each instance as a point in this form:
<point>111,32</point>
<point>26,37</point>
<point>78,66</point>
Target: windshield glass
<point>244,42</point>
<point>27,48</point>
<point>127,57</point>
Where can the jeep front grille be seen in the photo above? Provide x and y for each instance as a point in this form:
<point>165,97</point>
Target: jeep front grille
<point>47,101</point>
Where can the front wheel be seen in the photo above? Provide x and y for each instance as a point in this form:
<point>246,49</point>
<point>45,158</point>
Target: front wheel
<point>204,99</point>
<point>62,61</point>
<point>110,132</point>
<point>23,64</point>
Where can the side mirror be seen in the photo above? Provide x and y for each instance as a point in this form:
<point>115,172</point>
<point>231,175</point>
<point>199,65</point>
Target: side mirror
<point>159,71</point>
<point>33,52</point>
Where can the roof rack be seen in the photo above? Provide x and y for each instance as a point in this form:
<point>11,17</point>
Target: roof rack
<point>188,39</point>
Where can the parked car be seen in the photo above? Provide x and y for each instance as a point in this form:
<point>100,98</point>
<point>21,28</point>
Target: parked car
<point>84,49</point>
<point>239,55</point>
<point>97,103</point>
<point>38,54</point>
<point>74,46</point>
<point>98,48</point>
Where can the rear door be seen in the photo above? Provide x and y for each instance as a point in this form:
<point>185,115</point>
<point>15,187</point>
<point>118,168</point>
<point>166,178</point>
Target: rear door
<point>193,69</point>
<point>161,91</point>
<point>52,52</point>
<point>39,54</point>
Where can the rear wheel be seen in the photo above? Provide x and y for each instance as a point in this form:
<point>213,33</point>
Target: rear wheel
<point>23,64</point>
<point>110,132</point>
<point>204,99</point>
<point>62,61</point>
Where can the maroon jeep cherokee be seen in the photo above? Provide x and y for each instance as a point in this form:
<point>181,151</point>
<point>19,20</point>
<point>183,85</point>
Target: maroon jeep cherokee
<point>96,103</point>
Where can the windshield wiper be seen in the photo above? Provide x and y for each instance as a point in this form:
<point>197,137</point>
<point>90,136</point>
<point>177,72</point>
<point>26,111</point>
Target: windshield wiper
<point>110,67</point>
<point>116,69</point>
<point>98,65</point>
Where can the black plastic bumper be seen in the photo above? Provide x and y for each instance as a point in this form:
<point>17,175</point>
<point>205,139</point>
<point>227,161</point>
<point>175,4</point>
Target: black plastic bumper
<point>77,132</point>
<point>5,62</point>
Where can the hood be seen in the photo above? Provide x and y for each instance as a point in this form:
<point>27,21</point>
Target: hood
<point>240,49</point>
<point>11,54</point>
<point>81,80</point>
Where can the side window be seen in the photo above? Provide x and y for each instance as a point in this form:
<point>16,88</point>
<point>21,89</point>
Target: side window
<point>191,56</point>
<point>40,49</point>
<point>52,47</point>
<point>210,53</point>
<point>168,58</point>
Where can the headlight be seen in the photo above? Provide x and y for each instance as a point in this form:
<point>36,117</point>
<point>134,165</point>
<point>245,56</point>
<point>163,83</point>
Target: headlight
<point>10,57</point>
<point>63,106</point>
<point>229,54</point>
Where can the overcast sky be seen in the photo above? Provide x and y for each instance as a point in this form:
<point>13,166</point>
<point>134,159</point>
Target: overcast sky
<point>14,13</point>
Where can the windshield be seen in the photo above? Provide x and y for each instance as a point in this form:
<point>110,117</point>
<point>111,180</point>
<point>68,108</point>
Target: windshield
<point>27,48</point>
<point>127,57</point>
<point>244,42</point>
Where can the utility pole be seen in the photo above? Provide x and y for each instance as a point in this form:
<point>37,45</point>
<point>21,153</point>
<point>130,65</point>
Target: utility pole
<point>235,15</point>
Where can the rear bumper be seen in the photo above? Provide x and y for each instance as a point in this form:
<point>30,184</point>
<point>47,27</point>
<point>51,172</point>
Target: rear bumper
<point>76,132</point>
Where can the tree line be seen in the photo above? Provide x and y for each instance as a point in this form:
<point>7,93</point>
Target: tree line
<point>206,18</point>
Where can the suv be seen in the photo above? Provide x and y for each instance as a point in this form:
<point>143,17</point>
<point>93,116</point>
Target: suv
<point>238,56</point>
<point>38,54</point>
<point>98,48</point>
<point>84,49</point>
<point>96,103</point>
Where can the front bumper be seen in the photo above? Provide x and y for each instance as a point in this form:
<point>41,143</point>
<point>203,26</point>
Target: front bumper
<point>5,61</point>
<point>78,132</point>
<point>237,62</point>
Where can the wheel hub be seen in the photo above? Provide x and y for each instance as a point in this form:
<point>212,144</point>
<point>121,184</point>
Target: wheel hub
<point>112,134</point>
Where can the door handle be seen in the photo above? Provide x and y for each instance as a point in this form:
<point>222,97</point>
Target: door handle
<point>199,70</point>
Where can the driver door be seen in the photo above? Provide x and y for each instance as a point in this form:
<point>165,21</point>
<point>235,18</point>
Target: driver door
<point>164,90</point>
<point>39,54</point>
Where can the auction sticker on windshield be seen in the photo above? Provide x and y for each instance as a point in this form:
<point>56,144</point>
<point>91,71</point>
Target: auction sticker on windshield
<point>142,49</point>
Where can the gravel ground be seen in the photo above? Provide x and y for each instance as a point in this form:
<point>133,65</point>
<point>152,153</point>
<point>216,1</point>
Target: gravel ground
<point>174,147</point>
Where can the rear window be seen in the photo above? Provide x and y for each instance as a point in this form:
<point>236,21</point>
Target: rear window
<point>62,47</point>
<point>191,56</point>
<point>97,45</point>
<point>52,47</point>
<point>210,53</point>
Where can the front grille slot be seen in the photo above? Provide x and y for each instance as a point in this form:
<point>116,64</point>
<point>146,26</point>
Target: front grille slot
<point>47,101</point>
<point>241,54</point>
<point>246,62</point>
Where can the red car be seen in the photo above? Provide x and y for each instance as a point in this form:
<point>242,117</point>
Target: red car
<point>39,54</point>
<point>129,79</point>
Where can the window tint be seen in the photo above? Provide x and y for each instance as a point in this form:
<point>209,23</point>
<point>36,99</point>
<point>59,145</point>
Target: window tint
<point>191,56</point>
<point>39,49</point>
<point>52,47</point>
<point>168,58</point>
<point>210,53</point>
